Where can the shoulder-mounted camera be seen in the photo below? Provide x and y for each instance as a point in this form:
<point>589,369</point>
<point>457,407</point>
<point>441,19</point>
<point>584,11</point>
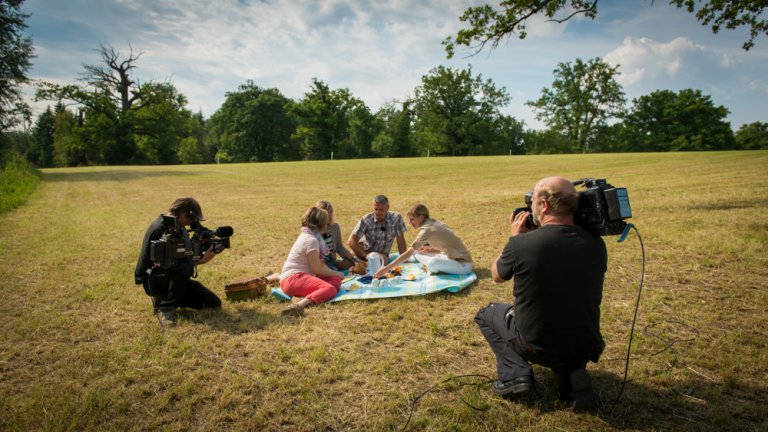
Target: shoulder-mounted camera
<point>176,244</point>
<point>602,209</point>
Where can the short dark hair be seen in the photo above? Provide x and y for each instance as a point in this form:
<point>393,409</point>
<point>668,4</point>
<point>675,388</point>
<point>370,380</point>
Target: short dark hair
<point>381,199</point>
<point>188,206</point>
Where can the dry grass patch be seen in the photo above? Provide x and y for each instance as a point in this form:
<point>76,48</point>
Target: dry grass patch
<point>80,350</point>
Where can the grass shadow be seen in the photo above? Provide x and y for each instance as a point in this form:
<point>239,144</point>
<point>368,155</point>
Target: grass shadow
<point>687,405</point>
<point>110,175</point>
<point>238,322</point>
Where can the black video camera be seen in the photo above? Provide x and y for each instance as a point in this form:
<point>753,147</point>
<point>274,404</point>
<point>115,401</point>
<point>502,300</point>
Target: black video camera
<point>175,244</point>
<point>172,246</point>
<point>602,207</point>
<point>203,239</point>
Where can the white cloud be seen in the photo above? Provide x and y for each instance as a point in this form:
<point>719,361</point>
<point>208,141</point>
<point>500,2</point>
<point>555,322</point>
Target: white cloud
<point>759,86</point>
<point>646,59</point>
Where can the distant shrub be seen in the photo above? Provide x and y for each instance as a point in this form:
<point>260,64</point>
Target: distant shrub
<point>18,180</point>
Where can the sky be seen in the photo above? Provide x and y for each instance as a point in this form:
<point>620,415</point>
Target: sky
<point>380,50</point>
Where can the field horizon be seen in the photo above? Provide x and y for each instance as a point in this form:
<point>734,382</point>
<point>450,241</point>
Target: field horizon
<point>81,350</point>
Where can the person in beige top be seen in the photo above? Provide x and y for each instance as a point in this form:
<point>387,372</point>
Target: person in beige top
<point>436,246</point>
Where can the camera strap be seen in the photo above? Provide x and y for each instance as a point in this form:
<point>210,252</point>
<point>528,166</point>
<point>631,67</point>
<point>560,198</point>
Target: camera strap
<point>625,233</point>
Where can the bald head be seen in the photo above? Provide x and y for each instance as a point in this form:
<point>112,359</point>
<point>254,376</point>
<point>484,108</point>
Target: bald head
<point>560,195</point>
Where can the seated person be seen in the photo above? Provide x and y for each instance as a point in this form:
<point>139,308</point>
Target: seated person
<point>304,273</point>
<point>376,231</point>
<point>436,246</point>
<point>339,257</point>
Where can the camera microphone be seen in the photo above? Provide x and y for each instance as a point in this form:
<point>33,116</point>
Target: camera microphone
<point>224,231</point>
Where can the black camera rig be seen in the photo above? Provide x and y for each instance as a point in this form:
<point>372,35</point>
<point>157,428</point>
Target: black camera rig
<point>176,244</point>
<point>602,207</point>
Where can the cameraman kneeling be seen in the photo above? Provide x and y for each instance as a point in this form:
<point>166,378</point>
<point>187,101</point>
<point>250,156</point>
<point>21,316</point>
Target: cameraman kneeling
<point>170,285</point>
<point>558,272</point>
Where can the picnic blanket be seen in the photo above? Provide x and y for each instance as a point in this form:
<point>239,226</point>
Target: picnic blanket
<point>414,281</point>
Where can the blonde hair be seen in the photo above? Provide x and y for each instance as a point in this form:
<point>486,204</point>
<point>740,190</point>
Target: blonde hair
<point>325,205</point>
<point>315,218</point>
<point>419,210</point>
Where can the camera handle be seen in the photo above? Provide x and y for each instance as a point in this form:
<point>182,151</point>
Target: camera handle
<point>621,239</point>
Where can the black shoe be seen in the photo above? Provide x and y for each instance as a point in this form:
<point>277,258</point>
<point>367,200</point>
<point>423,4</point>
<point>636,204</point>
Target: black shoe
<point>564,389</point>
<point>584,398</point>
<point>167,316</point>
<point>517,386</point>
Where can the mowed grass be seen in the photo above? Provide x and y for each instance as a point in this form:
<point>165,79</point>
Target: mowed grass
<point>80,349</point>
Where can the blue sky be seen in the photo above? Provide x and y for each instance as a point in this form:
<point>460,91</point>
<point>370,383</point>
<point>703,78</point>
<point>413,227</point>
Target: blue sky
<point>379,50</point>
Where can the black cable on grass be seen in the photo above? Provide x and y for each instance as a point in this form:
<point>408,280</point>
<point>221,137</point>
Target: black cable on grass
<point>415,401</point>
<point>634,315</point>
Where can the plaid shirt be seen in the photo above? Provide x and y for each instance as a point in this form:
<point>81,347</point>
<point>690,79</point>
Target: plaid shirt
<point>378,236</point>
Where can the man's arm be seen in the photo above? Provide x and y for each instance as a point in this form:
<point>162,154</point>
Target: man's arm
<point>495,271</point>
<point>357,248</point>
<point>401,246</point>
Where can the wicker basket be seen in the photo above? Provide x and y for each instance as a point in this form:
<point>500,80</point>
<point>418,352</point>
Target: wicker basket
<point>246,289</point>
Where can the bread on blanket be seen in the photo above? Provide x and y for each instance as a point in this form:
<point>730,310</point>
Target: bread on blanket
<point>359,268</point>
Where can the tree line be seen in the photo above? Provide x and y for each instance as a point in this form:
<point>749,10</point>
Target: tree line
<point>108,116</point>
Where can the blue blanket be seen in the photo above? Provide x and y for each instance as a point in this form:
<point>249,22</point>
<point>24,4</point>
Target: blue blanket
<point>414,281</point>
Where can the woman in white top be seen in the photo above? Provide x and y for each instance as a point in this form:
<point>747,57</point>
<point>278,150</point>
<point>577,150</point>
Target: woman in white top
<point>436,246</point>
<point>304,273</point>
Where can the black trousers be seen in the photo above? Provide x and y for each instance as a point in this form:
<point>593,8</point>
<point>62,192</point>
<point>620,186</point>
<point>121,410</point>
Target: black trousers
<point>174,288</point>
<point>513,359</point>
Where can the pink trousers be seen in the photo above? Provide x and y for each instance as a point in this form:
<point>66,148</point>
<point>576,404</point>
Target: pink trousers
<point>319,289</point>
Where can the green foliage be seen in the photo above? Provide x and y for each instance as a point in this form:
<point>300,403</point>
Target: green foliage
<point>254,125</point>
<point>17,181</point>
<point>41,151</point>
<point>323,123</point>
<point>730,14</point>
<point>489,25</point>
<point>668,121</point>
<point>120,121</point>
<point>583,97</point>
<point>161,123</point>
<point>456,112</point>
<point>752,136</point>
<point>16,51</point>
<point>394,138</point>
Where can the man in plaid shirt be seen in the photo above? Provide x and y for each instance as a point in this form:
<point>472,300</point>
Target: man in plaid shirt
<point>376,231</point>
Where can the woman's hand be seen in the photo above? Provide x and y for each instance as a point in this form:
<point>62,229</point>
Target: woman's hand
<point>381,272</point>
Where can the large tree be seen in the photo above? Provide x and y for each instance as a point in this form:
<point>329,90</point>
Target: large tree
<point>323,115</point>
<point>41,153</point>
<point>455,111</point>
<point>16,50</point>
<point>583,97</point>
<point>112,95</point>
<point>394,137</point>
<point>667,121</point>
<point>489,25</point>
<point>253,125</point>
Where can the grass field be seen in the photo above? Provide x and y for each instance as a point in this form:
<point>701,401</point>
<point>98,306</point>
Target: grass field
<point>80,349</point>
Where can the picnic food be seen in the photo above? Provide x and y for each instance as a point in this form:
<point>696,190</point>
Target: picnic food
<point>358,268</point>
<point>397,271</point>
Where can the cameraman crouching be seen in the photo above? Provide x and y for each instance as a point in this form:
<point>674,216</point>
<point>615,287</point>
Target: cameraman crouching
<point>558,272</point>
<point>171,287</point>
